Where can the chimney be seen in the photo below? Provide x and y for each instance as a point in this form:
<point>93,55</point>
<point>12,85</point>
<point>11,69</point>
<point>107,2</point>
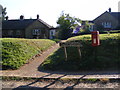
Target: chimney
<point>37,16</point>
<point>21,17</point>
<point>109,9</point>
<point>6,17</point>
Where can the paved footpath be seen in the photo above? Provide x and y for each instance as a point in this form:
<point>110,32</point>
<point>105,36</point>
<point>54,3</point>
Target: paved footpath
<point>31,70</point>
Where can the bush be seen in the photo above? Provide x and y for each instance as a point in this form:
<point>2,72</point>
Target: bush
<point>16,52</point>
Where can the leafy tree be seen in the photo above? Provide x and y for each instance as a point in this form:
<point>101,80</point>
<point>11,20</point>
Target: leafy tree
<point>66,24</point>
<point>86,27</point>
<point>4,13</point>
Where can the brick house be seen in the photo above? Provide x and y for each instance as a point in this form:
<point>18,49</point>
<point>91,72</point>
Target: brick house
<point>26,28</point>
<point>107,21</point>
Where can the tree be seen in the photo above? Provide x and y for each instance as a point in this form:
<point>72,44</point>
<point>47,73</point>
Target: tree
<point>66,24</point>
<point>86,27</point>
<point>4,13</point>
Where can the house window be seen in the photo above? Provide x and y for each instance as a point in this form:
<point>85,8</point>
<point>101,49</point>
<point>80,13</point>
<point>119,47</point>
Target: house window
<point>10,33</point>
<point>106,24</point>
<point>18,32</point>
<point>36,32</point>
<point>52,34</point>
<point>91,28</point>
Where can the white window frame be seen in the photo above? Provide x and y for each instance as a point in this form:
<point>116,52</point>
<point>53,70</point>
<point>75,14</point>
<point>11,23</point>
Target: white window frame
<point>91,27</point>
<point>52,33</point>
<point>106,24</point>
<point>36,32</point>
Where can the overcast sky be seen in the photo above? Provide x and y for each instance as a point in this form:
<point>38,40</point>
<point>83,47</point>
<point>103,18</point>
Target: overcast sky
<point>50,10</point>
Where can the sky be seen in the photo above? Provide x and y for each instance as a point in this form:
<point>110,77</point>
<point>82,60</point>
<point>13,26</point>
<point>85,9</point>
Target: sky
<point>50,10</point>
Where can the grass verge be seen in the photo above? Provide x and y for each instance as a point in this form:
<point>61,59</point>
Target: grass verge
<point>16,52</point>
<point>104,57</point>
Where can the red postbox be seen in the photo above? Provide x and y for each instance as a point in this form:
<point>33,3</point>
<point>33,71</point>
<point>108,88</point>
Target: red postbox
<point>95,38</point>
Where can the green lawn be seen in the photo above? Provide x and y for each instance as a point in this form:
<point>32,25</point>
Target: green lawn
<point>16,52</point>
<point>103,57</point>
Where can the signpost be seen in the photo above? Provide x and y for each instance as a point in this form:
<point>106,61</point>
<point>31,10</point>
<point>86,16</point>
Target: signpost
<point>95,43</point>
<point>70,44</point>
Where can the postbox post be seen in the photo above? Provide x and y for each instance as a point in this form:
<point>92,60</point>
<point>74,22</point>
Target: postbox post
<point>95,42</point>
<point>95,38</point>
